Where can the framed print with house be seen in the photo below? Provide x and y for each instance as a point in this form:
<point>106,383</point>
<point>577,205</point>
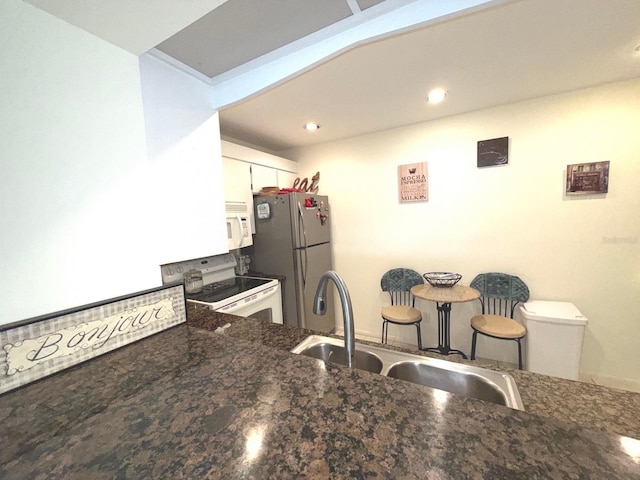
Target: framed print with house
<point>413,184</point>
<point>587,178</point>
<point>493,152</point>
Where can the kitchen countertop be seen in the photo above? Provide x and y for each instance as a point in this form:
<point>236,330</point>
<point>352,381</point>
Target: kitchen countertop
<point>609,409</point>
<point>191,403</point>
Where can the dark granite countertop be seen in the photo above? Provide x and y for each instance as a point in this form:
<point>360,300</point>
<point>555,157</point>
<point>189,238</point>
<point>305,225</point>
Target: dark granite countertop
<point>594,406</point>
<point>191,403</point>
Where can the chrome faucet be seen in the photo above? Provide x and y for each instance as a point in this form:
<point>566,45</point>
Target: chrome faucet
<point>320,308</point>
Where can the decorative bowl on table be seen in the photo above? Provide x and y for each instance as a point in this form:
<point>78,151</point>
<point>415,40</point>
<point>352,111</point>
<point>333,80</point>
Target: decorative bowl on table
<point>442,279</point>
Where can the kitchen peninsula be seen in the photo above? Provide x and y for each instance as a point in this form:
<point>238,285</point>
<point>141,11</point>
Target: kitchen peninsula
<point>192,403</point>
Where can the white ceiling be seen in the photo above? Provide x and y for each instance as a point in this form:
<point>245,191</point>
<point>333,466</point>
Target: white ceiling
<point>510,50</point>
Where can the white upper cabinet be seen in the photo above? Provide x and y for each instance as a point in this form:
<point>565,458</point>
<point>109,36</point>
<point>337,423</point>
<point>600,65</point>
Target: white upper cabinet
<point>237,180</point>
<point>182,137</point>
<point>262,176</point>
<point>266,170</point>
<point>247,171</point>
<point>237,185</point>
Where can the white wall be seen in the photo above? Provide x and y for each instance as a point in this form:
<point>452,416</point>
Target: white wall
<point>78,202</point>
<point>513,218</point>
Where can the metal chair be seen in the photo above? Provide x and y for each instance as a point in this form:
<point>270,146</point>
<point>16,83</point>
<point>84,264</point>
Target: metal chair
<point>500,293</point>
<point>402,311</point>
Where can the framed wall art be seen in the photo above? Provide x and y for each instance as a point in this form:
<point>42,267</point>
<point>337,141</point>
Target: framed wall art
<point>35,348</point>
<point>587,178</point>
<point>413,183</point>
<point>493,152</point>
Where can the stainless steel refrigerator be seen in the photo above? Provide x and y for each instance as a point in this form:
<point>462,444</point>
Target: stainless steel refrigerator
<point>293,239</point>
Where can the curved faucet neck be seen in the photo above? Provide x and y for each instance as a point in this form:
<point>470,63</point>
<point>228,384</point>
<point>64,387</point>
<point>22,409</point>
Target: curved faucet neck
<point>320,307</point>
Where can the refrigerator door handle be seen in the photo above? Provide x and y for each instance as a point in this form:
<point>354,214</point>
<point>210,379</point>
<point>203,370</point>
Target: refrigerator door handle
<point>301,222</point>
<point>304,247</point>
<point>306,269</point>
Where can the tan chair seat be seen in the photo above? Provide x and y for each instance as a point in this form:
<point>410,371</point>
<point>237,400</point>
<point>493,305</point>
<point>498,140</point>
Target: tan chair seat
<point>498,326</point>
<point>401,314</point>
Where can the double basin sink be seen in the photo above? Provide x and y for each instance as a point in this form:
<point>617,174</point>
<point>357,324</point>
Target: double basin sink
<point>461,379</point>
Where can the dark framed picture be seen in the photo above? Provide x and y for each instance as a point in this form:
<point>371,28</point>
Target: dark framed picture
<point>493,152</point>
<point>588,178</point>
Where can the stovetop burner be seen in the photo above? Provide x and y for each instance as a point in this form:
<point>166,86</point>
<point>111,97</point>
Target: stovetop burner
<point>218,291</point>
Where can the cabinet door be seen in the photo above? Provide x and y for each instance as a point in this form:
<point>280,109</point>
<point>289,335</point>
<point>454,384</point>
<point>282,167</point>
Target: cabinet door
<point>237,180</point>
<point>285,179</point>
<point>262,176</point>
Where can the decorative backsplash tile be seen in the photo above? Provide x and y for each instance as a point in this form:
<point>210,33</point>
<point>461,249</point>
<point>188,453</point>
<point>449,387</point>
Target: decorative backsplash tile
<point>35,348</point>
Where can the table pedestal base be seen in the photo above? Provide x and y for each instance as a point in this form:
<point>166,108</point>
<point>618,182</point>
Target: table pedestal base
<point>444,332</point>
<point>443,351</point>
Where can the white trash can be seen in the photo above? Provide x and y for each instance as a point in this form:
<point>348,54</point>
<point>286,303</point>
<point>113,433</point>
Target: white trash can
<point>554,337</point>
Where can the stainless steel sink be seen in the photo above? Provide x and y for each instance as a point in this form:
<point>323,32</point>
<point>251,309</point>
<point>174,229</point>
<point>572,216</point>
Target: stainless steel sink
<point>457,378</point>
<point>329,352</point>
<point>467,384</point>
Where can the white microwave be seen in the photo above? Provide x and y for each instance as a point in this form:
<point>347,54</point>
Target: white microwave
<point>238,225</point>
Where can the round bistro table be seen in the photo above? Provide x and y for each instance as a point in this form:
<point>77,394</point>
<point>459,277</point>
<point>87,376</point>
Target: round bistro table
<point>444,297</point>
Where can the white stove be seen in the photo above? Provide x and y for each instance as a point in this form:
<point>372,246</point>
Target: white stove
<point>224,291</point>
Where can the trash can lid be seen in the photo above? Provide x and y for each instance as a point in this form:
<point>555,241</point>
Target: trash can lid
<point>553,312</point>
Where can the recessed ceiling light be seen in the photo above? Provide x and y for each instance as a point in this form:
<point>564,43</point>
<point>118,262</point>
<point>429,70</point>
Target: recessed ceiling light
<point>436,95</point>
<point>311,126</point>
